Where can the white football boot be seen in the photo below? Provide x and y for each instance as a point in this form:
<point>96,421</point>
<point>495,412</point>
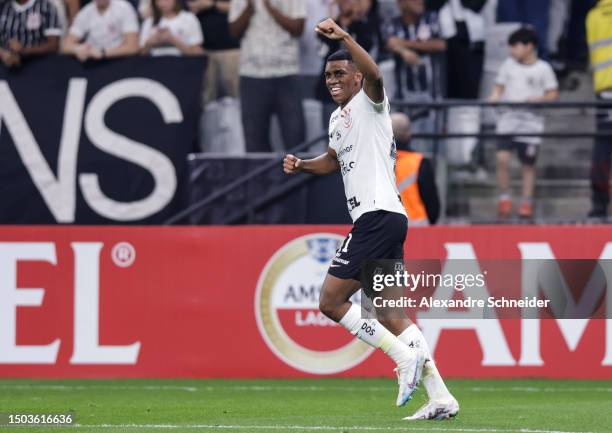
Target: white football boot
<point>436,410</point>
<point>408,377</point>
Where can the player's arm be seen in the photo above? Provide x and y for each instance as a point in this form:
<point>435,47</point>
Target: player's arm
<point>549,95</point>
<point>323,164</point>
<point>373,82</point>
<point>435,45</point>
<point>240,24</point>
<point>497,93</point>
<point>128,47</point>
<point>50,46</point>
<point>294,26</point>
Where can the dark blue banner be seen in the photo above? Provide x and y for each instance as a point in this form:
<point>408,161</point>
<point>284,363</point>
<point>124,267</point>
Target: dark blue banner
<point>97,143</point>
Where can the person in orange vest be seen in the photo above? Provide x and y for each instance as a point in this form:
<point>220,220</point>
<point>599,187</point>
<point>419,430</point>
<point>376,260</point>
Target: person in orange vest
<point>415,177</point>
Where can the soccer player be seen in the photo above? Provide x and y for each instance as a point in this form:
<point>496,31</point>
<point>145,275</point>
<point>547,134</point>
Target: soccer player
<point>362,148</point>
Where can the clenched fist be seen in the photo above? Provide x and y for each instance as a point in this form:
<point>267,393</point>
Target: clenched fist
<point>330,30</point>
<point>292,164</point>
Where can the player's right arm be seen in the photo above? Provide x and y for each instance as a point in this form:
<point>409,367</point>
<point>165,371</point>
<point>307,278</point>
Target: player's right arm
<point>497,93</point>
<point>323,164</point>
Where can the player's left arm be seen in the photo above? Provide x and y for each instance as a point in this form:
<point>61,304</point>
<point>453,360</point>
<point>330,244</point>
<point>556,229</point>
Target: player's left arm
<point>373,81</point>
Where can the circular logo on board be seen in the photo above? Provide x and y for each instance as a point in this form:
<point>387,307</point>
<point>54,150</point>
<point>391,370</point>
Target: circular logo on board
<point>287,308</point>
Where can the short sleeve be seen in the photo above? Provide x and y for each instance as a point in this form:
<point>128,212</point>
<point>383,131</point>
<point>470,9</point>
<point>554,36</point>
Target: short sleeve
<point>145,32</point>
<point>80,26</point>
<point>236,9</point>
<point>194,30</point>
<point>297,9</point>
<point>377,107</point>
<point>502,75</point>
<point>549,78</point>
<point>51,21</point>
<point>129,19</point>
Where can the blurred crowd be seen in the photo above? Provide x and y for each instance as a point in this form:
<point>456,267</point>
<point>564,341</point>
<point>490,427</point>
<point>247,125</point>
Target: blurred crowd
<point>265,62</point>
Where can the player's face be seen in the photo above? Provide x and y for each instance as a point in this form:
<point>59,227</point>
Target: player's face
<point>412,7</point>
<point>165,6</point>
<point>520,51</point>
<point>342,79</point>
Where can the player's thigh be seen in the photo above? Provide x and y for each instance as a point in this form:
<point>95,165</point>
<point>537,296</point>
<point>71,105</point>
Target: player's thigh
<point>334,295</point>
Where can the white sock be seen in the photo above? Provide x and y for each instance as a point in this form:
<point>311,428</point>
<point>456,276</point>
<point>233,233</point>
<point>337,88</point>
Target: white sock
<point>432,381</point>
<point>372,332</point>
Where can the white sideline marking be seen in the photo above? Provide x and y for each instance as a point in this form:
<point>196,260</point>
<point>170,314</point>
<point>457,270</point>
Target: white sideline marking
<point>267,388</point>
<point>88,387</point>
<point>321,427</point>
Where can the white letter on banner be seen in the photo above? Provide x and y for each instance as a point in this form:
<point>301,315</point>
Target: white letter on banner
<point>59,194</point>
<point>11,297</point>
<point>87,348</point>
<point>553,284</point>
<point>158,164</point>
<point>461,258</point>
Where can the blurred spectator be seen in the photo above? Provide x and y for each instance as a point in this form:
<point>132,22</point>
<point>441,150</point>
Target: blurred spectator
<point>66,11</point>
<point>535,13</point>
<point>522,78</point>
<point>412,37</point>
<point>269,68</point>
<point>416,182</point>
<point>599,36</point>
<point>223,51</point>
<point>310,46</point>
<point>463,26</point>
<point>103,28</point>
<point>27,28</point>
<point>171,31</point>
<point>353,19</point>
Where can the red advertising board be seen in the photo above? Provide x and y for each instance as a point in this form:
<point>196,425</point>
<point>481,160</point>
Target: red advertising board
<point>242,302</point>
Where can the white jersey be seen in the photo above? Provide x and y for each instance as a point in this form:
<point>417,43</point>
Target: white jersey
<point>362,137</point>
<point>184,25</point>
<point>107,29</point>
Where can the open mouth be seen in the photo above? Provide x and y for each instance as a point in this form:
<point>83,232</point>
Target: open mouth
<point>335,90</point>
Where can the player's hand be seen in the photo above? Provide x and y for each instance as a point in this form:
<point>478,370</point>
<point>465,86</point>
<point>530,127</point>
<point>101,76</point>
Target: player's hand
<point>10,59</point>
<point>15,46</point>
<point>292,164</point>
<point>394,44</point>
<point>164,35</point>
<point>410,57</point>
<point>330,30</point>
<point>82,52</point>
<point>95,52</point>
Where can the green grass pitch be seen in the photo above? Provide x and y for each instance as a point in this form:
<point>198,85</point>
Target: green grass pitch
<point>307,405</point>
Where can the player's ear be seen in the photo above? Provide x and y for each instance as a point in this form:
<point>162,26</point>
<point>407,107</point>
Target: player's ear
<point>358,77</point>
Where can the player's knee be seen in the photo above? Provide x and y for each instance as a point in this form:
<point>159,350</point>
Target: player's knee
<point>329,308</point>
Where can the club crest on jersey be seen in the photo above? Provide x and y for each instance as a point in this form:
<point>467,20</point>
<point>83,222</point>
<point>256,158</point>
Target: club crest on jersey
<point>348,119</point>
